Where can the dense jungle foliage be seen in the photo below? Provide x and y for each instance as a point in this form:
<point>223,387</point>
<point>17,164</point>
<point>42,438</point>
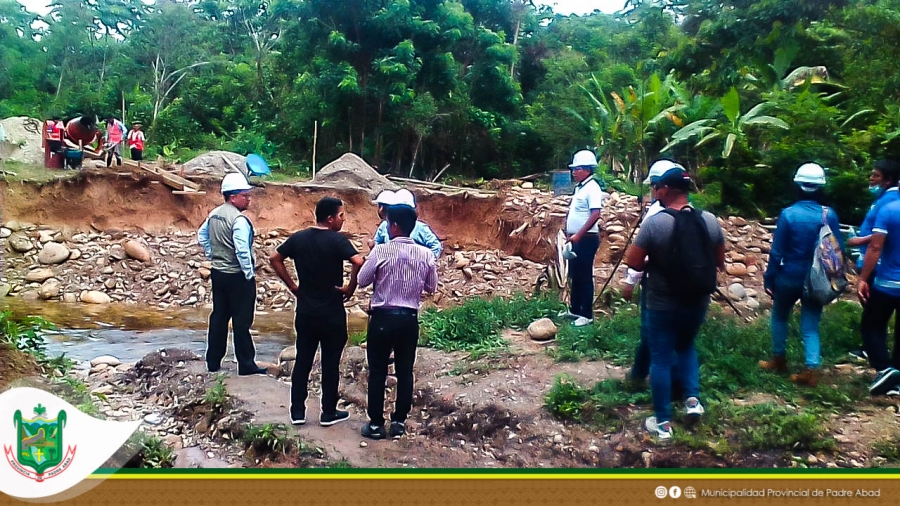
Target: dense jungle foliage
<point>741,91</point>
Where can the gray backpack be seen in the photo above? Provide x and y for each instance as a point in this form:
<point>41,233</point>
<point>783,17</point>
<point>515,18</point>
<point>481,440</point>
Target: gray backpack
<point>826,280</point>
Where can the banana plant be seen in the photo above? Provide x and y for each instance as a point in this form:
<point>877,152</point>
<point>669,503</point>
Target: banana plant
<point>731,130</point>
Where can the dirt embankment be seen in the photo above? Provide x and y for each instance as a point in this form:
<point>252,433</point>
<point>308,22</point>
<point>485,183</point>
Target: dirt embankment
<point>104,201</point>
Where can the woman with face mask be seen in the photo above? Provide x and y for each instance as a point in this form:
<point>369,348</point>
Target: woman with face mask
<point>883,186</point>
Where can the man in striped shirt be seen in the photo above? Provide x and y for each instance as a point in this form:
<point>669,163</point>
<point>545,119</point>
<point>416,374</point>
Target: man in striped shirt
<point>400,271</point>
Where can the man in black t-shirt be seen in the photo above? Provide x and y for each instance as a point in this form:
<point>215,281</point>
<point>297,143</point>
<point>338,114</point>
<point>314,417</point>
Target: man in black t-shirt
<point>319,253</point>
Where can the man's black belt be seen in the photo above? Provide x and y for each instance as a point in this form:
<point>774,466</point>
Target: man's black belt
<point>393,311</point>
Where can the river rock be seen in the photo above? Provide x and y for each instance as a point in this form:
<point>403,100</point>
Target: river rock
<point>50,289</point>
<point>137,251</point>
<point>95,297</point>
<point>39,275</point>
<point>106,359</point>
<point>70,298</point>
<point>4,289</point>
<point>20,243</point>
<point>53,253</point>
<point>45,236</point>
<point>13,225</point>
<point>30,295</point>
<point>542,330</point>
<point>204,272</point>
<point>5,232</point>
<point>287,354</point>
<point>75,254</point>
<point>736,269</point>
<point>752,304</point>
<point>736,291</point>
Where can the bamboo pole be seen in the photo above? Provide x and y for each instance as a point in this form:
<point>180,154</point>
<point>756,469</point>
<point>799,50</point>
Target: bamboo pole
<point>315,139</point>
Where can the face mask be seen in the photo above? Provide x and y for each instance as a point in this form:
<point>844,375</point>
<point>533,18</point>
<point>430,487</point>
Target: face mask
<point>876,190</point>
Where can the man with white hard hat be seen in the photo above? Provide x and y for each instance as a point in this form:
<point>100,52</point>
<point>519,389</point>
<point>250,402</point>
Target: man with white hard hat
<point>421,234</point>
<point>227,240</point>
<point>641,368</point>
<point>583,232</point>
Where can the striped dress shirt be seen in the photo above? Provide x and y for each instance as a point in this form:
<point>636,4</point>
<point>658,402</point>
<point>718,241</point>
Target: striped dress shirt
<point>400,271</point>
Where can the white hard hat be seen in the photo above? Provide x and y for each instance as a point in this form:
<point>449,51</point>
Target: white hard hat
<point>659,167</point>
<point>584,158</point>
<point>386,198</point>
<point>405,198</point>
<point>810,176</point>
<point>234,181</point>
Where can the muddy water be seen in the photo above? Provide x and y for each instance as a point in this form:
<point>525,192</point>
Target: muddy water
<point>130,331</point>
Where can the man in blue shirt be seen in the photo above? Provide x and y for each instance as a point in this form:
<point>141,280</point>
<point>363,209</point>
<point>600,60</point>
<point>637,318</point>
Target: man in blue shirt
<point>421,234</point>
<point>881,297</point>
<point>883,185</point>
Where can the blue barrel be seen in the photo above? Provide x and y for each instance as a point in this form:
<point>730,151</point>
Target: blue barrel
<point>562,182</point>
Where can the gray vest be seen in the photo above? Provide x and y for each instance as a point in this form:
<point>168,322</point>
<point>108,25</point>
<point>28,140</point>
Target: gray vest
<point>221,233</point>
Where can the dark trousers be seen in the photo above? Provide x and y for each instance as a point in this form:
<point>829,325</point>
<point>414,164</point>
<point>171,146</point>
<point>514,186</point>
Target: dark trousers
<point>876,314</point>
<point>234,299</point>
<point>581,272</point>
<point>641,367</point>
<point>312,331</point>
<point>137,154</point>
<point>398,333</point>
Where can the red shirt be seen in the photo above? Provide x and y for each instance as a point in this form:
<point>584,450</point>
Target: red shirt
<point>136,139</point>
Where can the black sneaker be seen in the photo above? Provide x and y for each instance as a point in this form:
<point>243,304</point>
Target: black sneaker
<point>885,381</point>
<point>372,431</point>
<point>329,419</point>
<point>398,429</point>
<point>298,417</point>
<point>250,372</point>
<point>859,355</point>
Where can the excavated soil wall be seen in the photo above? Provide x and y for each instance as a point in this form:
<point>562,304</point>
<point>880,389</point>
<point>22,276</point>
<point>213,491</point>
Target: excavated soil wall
<point>104,201</point>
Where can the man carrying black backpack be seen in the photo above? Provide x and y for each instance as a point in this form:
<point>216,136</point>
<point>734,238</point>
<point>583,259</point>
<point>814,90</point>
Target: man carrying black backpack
<point>680,248</point>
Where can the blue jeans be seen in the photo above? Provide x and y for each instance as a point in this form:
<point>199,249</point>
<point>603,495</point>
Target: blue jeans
<point>671,334</point>
<point>785,296</point>
<point>581,272</point>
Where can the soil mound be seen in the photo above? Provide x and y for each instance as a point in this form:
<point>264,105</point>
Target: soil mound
<point>213,164</point>
<point>22,140</point>
<point>352,172</point>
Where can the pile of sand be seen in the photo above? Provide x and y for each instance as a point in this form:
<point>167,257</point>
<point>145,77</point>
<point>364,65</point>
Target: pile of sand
<point>212,163</point>
<point>350,171</point>
<point>22,141</point>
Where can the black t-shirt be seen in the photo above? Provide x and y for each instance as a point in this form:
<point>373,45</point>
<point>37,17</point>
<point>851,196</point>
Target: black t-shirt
<point>319,256</point>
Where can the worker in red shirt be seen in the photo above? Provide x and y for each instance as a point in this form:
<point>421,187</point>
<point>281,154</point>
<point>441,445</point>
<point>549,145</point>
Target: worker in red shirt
<point>136,141</point>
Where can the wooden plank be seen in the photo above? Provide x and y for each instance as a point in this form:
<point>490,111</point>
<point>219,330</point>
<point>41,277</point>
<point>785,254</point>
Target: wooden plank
<point>188,192</point>
<point>439,185</point>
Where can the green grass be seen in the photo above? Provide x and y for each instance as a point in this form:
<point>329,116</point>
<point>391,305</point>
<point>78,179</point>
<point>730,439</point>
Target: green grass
<point>889,449</point>
<point>728,349</point>
<point>156,455</point>
<point>476,325</point>
<point>357,338</point>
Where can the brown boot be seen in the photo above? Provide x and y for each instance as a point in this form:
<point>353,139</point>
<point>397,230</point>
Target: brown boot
<point>809,377</point>
<point>776,363</point>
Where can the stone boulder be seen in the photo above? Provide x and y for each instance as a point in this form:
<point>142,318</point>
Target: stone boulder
<point>109,360</point>
<point>736,291</point>
<point>736,269</point>
<point>542,330</point>
<point>20,243</point>
<point>95,297</point>
<point>50,289</point>
<point>39,275</point>
<point>137,251</point>
<point>53,253</point>
<point>288,354</point>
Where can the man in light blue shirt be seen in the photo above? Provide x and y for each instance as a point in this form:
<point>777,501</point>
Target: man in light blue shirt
<point>421,234</point>
<point>227,239</point>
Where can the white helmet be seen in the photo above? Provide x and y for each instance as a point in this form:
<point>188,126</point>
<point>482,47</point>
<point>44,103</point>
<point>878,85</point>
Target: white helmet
<point>584,158</point>
<point>234,181</point>
<point>810,176</point>
<point>405,198</point>
<point>659,167</point>
<point>386,198</point>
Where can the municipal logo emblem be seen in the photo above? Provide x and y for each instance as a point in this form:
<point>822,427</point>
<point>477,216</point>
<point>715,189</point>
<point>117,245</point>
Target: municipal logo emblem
<point>40,453</point>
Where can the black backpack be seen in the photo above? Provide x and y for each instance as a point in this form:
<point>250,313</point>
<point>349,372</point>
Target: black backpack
<point>690,266</point>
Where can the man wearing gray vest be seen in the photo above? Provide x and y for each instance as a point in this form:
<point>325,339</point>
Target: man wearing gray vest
<point>227,240</point>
